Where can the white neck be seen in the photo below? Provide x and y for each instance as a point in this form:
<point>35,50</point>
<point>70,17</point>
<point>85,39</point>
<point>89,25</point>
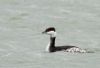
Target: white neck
<point>47,48</point>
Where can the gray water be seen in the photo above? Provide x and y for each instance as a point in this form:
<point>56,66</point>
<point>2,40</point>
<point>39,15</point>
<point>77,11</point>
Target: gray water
<point>23,46</point>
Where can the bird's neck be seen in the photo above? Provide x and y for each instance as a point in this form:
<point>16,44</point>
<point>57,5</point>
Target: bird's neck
<point>52,41</point>
<point>51,45</point>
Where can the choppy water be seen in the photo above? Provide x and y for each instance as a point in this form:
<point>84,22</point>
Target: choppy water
<point>22,44</point>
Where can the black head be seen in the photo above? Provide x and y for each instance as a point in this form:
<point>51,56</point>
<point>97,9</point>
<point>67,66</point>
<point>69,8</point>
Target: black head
<point>49,29</point>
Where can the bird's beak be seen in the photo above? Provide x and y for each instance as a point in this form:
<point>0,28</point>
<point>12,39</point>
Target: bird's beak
<point>43,32</point>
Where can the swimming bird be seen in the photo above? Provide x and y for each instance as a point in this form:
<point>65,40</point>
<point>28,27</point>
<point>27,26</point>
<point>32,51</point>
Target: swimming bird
<point>52,48</point>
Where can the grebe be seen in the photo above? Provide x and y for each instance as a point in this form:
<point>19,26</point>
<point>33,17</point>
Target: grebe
<point>52,48</point>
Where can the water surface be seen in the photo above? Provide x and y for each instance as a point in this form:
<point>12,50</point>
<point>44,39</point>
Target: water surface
<point>23,46</point>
